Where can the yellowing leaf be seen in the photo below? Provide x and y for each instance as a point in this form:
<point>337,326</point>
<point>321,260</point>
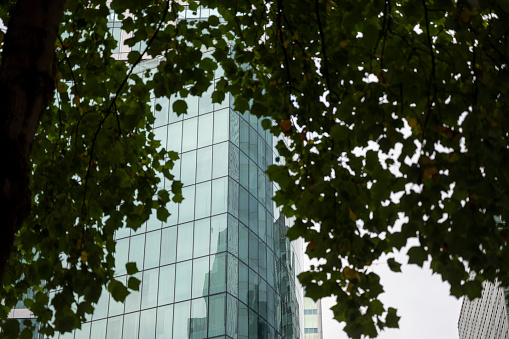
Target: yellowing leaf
<point>84,256</point>
<point>351,273</point>
<point>351,214</point>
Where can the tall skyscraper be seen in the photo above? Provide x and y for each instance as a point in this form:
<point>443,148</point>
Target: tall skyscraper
<point>221,266</point>
<point>485,317</point>
<point>312,319</point>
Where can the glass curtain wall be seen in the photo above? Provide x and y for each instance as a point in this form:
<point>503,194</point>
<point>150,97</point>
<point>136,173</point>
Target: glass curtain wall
<point>221,266</point>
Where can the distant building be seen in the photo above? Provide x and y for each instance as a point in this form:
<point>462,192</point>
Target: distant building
<point>485,317</point>
<point>312,319</point>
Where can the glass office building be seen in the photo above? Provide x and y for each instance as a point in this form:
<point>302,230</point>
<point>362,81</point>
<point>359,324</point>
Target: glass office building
<point>221,266</point>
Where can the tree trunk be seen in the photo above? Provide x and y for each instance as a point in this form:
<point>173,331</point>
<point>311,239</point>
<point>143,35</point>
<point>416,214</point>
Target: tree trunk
<point>26,87</point>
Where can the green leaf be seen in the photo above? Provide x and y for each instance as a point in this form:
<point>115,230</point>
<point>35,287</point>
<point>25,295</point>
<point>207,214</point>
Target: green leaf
<point>133,283</point>
<point>393,265</point>
<point>117,290</point>
<point>180,107</point>
<point>131,268</point>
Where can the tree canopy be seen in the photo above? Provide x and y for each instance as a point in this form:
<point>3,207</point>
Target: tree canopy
<point>392,111</point>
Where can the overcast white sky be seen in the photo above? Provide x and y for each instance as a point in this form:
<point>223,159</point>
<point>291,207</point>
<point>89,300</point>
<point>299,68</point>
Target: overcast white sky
<point>422,300</point>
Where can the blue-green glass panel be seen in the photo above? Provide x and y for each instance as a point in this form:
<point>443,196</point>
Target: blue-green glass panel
<point>84,332</point>
<point>243,283</point>
<point>114,328</point>
<point>253,325</point>
<point>200,277</point>
<point>206,105</point>
<point>253,251</point>
<point>253,213</point>
<point>190,134</point>
<point>217,314</point>
<point>262,303</point>
<point>221,125</point>
<point>261,186</point>
<point>220,160</point>
<point>244,136</point>
<point>205,130</point>
<point>166,285</point>
<point>186,208</point>
<point>243,243</point>
<point>153,223</point>
<point>201,237</point>
<point>188,165</point>
<point>152,249</point>
<point>261,222</point>
<point>253,178</point>
<point>203,200</point>
<point>270,267</point>
<point>234,127</point>
<point>233,275</point>
<point>199,318</point>
<point>181,317</point>
<point>116,307</point>
<point>232,315</point>
<point>253,144</point>
<point>204,164</point>
<point>217,275</point>
<point>183,279</point>
<point>148,324</point>
<point>271,312</point>
<point>133,299</point>
<point>101,309</point>
<point>243,206</point>
<point>262,259</point>
<point>98,329</point>
<point>168,245</point>
<point>218,233</point>
<point>164,326</point>
<point>234,162</point>
<point>136,250</point>
<point>219,195</point>
<point>244,170</point>
<point>261,153</point>
<point>192,106</point>
<point>253,290</point>
<point>131,325</point>
<point>243,321</point>
<point>162,114</point>
<point>233,197</point>
<point>149,288</point>
<point>121,256</point>
<point>233,235</point>
<point>185,241</point>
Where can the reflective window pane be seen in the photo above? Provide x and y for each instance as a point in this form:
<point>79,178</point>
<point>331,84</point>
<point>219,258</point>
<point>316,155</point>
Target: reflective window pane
<point>218,233</point>
<point>114,328</point>
<point>203,200</point>
<point>168,245</point>
<point>166,284</point>
<point>220,160</point>
<point>164,327</point>
<point>205,130</point>
<point>98,329</point>
<point>136,250</point>
<point>152,249</point>
<point>217,273</point>
<point>200,277</point>
<point>190,134</point>
<point>217,314</point>
<point>204,164</point>
<point>131,325</point>
<point>186,208</point>
<point>219,195</point>
<point>185,241</point>
<point>201,237</point>
<point>199,318</point>
<point>188,172</point>
<point>148,324</point>
<point>221,125</point>
<point>149,288</point>
<point>182,313</point>
<point>183,277</point>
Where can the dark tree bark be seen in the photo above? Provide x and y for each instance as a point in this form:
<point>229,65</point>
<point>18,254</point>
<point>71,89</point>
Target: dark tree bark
<point>26,87</point>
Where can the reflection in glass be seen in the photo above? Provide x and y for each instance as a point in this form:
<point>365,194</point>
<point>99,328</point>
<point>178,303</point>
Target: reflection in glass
<point>200,277</point>
<point>152,249</point>
<point>220,160</point>
<point>203,196</point>
<point>199,318</point>
<point>114,328</point>
<point>98,329</point>
<point>217,314</point>
<point>217,273</point>
<point>181,321</point>
<point>186,208</point>
<point>149,288</point>
<point>201,237</point>
<point>204,164</point>
<point>205,130</point>
<point>218,226</point>
<point>188,172</point>
<point>221,125</point>
<point>190,134</point>
<point>219,195</point>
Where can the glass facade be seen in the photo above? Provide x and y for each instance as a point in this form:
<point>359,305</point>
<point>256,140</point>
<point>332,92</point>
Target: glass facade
<point>312,319</point>
<point>220,266</point>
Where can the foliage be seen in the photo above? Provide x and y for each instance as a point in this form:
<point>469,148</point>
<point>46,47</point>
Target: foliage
<point>392,110</point>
